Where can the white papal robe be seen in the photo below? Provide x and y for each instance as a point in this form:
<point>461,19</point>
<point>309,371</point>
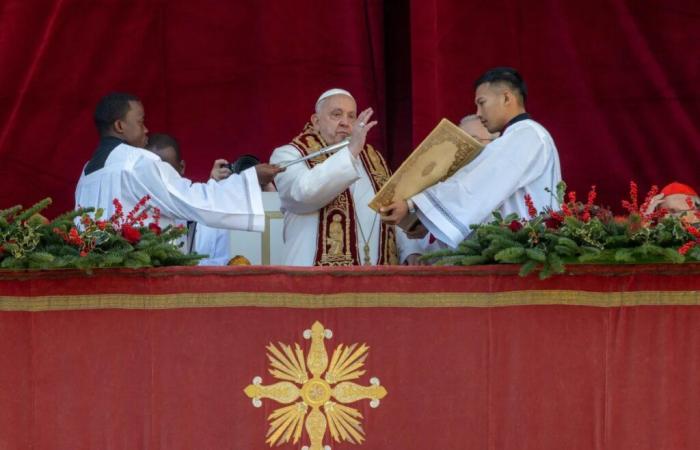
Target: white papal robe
<point>524,160</point>
<point>130,173</point>
<point>304,191</point>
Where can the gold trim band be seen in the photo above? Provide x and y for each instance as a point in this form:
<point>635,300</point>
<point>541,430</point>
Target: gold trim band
<point>350,300</point>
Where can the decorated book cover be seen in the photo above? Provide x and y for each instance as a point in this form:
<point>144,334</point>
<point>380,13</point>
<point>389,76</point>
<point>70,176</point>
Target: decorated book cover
<point>442,153</point>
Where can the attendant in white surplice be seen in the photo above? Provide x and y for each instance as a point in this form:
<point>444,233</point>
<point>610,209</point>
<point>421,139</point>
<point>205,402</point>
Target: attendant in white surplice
<point>523,160</point>
<point>121,168</point>
<point>326,218</point>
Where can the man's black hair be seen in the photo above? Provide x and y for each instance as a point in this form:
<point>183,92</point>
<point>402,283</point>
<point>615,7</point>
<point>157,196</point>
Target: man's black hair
<point>110,108</point>
<point>505,75</point>
<point>161,141</point>
<point>243,163</point>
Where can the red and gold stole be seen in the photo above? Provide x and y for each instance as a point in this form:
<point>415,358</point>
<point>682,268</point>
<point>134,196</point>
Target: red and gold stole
<point>337,243</point>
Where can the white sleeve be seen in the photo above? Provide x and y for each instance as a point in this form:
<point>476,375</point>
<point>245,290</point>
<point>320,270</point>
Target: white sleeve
<point>234,203</point>
<point>470,195</point>
<point>303,190</point>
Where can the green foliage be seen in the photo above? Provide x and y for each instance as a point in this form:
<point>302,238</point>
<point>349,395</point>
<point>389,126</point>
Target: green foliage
<point>30,241</point>
<point>573,238</point>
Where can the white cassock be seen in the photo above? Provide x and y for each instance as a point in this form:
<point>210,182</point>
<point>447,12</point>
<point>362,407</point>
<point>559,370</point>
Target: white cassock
<point>522,161</point>
<point>130,173</point>
<point>303,192</point>
<point>214,242</point>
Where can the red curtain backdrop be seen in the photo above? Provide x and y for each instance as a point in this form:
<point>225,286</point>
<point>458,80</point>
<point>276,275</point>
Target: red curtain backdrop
<point>226,78</point>
<point>614,81</point>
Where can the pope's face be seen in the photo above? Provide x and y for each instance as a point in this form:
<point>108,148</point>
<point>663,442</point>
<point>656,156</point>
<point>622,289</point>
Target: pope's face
<point>335,119</point>
<point>133,130</point>
<point>476,129</point>
<point>490,107</point>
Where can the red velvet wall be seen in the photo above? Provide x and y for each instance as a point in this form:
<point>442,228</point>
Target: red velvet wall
<point>226,78</point>
<point>616,82</point>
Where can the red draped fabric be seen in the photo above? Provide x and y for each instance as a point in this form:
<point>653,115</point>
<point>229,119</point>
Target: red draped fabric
<point>614,81</point>
<point>476,358</point>
<point>225,78</point>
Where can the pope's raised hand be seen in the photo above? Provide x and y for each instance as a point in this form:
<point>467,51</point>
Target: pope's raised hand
<point>360,127</point>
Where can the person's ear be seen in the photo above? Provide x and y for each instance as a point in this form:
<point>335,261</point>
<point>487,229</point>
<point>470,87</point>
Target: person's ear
<point>118,126</point>
<point>314,120</point>
<point>508,97</point>
<point>182,167</point>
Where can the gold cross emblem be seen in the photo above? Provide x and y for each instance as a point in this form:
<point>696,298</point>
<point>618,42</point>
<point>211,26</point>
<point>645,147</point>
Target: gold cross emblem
<point>329,389</point>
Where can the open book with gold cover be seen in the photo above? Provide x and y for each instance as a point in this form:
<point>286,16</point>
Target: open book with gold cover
<point>442,153</point>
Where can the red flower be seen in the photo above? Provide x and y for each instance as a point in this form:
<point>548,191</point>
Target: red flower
<point>515,226</point>
<point>74,237</point>
<point>131,234</point>
<point>101,224</point>
<point>552,223</point>
<point>85,220</point>
<point>531,210</point>
<point>647,200</point>
<point>118,211</point>
<point>692,230</point>
<point>566,210</point>
<point>632,206</point>
<point>589,204</point>
<point>155,228</point>
<point>685,248</point>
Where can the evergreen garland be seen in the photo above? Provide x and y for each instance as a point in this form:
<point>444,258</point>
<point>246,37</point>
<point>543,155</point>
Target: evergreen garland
<point>30,241</point>
<point>577,233</point>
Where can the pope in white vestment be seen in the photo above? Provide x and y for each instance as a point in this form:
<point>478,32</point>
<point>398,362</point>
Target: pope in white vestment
<point>326,217</point>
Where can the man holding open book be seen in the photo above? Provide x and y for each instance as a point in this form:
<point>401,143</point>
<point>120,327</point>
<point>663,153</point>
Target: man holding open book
<point>524,160</point>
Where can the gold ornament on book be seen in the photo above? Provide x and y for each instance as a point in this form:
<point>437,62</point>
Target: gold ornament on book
<point>316,403</point>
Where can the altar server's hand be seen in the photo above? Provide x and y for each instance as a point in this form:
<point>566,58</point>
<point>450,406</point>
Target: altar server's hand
<point>394,212</point>
<point>220,170</point>
<point>266,173</point>
<point>359,131</point>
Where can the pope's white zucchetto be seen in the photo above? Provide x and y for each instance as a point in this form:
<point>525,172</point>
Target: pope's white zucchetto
<point>330,93</point>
